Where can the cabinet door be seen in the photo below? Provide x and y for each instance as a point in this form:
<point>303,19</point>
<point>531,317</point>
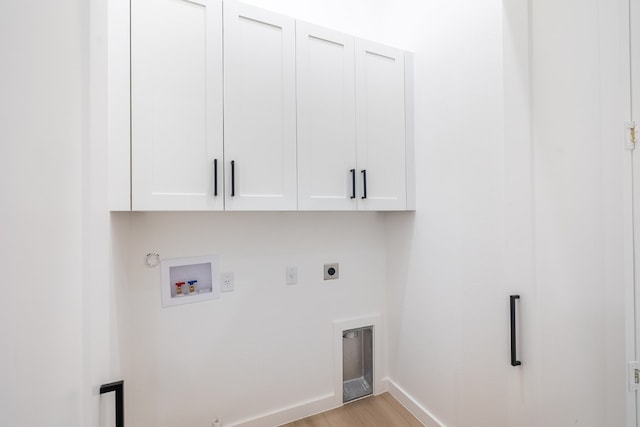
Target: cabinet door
<point>176,96</point>
<point>326,119</point>
<point>380,126</point>
<point>259,107</point>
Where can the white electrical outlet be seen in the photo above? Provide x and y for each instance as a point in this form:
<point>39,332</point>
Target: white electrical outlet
<point>292,275</point>
<point>227,282</point>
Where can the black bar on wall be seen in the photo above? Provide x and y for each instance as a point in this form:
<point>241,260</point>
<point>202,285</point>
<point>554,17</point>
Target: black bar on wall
<point>118,387</point>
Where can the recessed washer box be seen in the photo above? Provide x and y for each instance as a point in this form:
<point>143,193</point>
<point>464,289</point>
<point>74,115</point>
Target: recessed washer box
<point>357,363</point>
<point>187,280</point>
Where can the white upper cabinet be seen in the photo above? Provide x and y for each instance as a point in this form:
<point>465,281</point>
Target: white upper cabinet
<point>313,119</point>
<point>380,127</point>
<point>259,109</point>
<point>176,99</point>
<point>326,119</point>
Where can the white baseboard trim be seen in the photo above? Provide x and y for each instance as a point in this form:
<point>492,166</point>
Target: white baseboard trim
<point>418,411</point>
<point>329,401</point>
<point>291,413</point>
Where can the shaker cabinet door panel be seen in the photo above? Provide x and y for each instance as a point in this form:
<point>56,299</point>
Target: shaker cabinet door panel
<point>326,119</point>
<point>259,109</point>
<point>380,118</point>
<point>176,96</point>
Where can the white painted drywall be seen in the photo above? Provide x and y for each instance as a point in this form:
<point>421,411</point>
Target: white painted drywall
<point>262,348</point>
<point>447,320</point>
<point>55,250</point>
<point>455,261</point>
<point>100,265</point>
<point>42,128</point>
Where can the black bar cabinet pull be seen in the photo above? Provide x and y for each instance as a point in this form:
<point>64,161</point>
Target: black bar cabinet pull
<point>233,178</point>
<point>353,183</point>
<point>215,177</point>
<point>512,310</point>
<point>118,387</point>
<point>364,183</point>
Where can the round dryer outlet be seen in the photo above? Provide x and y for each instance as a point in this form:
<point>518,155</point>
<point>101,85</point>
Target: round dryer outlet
<point>331,271</point>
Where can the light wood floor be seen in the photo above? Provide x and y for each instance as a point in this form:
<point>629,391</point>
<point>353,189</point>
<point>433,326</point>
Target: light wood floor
<point>377,411</point>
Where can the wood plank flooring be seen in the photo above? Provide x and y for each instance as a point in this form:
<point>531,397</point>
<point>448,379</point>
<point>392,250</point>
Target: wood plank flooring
<point>376,411</point>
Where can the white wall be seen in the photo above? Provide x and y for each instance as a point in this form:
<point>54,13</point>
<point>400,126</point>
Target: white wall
<point>261,348</point>
<point>100,266</point>
<point>56,232</point>
<point>42,125</point>
<point>475,239</point>
<point>447,314</point>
